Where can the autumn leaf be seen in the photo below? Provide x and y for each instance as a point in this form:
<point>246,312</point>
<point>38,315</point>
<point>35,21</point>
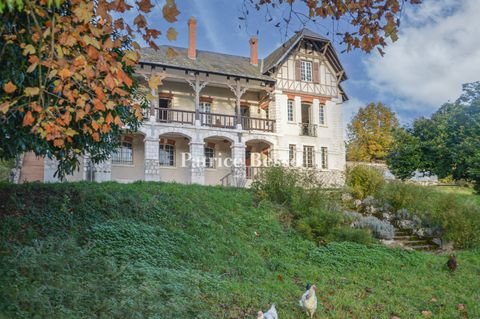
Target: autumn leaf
<point>9,87</point>
<point>64,73</point>
<point>70,132</point>
<point>28,119</point>
<point>170,11</point>
<point>155,81</point>
<point>172,34</point>
<point>171,53</point>
<point>4,107</point>
<point>31,91</point>
<point>58,143</point>
<point>140,21</point>
<point>29,49</point>
<point>145,5</point>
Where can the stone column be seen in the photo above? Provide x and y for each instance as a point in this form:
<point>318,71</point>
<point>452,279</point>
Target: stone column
<point>152,164</point>
<point>197,163</point>
<point>154,104</point>
<point>239,177</point>
<point>315,116</point>
<point>49,168</point>
<point>102,172</point>
<point>280,111</point>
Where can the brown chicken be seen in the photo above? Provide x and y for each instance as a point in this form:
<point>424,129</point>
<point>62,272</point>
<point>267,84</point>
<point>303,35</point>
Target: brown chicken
<point>452,263</point>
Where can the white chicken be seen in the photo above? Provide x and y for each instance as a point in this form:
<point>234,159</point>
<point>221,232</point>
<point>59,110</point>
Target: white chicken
<point>309,300</point>
<point>270,314</point>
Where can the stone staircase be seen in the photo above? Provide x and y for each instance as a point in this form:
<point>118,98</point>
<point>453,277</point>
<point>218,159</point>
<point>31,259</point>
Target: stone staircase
<point>409,240</point>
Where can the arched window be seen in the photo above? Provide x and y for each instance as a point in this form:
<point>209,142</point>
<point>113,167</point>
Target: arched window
<point>124,153</point>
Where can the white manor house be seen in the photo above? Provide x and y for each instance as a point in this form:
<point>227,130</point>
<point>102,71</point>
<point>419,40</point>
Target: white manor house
<point>213,109</point>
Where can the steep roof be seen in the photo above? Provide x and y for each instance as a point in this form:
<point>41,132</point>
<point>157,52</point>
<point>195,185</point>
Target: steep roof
<point>215,63</point>
<point>234,65</point>
<point>277,56</point>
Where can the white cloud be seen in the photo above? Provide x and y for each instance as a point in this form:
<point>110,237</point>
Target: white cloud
<point>438,51</point>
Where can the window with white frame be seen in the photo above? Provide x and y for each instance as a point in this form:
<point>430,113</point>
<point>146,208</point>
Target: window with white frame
<point>124,153</point>
<point>290,111</point>
<point>292,154</point>
<point>321,114</point>
<point>306,71</point>
<point>206,107</point>
<point>167,155</point>
<point>209,157</point>
<point>324,151</point>
<point>308,156</point>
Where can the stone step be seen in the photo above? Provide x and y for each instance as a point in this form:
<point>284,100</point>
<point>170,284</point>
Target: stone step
<point>402,237</point>
<point>416,243</point>
<point>424,247</point>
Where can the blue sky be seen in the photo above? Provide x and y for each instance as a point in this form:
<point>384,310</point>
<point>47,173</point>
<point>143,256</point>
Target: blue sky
<point>438,50</point>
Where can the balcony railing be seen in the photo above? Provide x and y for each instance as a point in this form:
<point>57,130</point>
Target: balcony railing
<point>258,124</point>
<point>165,115</point>
<point>307,129</point>
<point>175,116</point>
<point>217,120</point>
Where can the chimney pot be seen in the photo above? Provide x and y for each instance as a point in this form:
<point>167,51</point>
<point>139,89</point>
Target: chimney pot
<point>254,50</point>
<point>192,38</point>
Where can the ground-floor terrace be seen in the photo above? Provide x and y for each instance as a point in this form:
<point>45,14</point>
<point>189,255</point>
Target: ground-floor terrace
<point>202,155</point>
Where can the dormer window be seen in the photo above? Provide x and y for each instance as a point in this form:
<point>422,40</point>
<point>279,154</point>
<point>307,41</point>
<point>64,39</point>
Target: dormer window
<point>306,71</point>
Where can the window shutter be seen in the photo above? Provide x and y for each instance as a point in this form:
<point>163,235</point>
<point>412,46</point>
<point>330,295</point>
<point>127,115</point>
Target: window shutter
<point>316,72</point>
<point>297,70</point>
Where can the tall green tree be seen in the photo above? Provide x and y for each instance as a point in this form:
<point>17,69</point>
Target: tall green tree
<point>370,133</point>
<point>446,144</point>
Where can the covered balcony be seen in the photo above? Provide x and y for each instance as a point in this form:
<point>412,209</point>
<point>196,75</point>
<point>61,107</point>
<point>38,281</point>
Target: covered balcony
<point>208,100</point>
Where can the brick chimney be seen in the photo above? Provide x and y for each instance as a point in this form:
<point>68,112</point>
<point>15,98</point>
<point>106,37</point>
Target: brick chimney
<point>192,38</point>
<point>254,50</point>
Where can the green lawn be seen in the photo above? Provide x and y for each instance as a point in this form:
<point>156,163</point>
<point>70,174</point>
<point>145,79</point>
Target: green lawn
<point>150,250</point>
<point>465,192</point>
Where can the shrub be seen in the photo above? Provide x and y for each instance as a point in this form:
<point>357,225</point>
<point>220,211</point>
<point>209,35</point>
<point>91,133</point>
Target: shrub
<point>319,224</point>
<point>360,236</point>
<point>312,212</point>
<point>364,181</point>
<point>458,217</point>
<point>380,229</point>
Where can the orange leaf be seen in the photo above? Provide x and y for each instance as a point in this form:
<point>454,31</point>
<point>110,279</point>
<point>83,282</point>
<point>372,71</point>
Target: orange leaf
<point>140,21</point>
<point>79,115</point>
<point>96,137</point>
<point>99,92</point>
<point>98,105</point>
<point>170,11</point>
<point>28,119</point>
<point>58,142</point>
<point>64,73</point>
<point>9,87</point>
<point>145,5</point>
<point>118,121</point>
<point>110,82</point>
<point>109,118</point>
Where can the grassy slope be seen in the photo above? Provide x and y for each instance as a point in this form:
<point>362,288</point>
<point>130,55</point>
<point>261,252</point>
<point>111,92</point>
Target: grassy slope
<point>170,251</point>
<point>465,192</point>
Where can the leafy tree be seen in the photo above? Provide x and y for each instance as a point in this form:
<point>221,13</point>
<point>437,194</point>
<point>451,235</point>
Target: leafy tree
<point>370,133</point>
<point>66,82</point>
<point>447,144</point>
